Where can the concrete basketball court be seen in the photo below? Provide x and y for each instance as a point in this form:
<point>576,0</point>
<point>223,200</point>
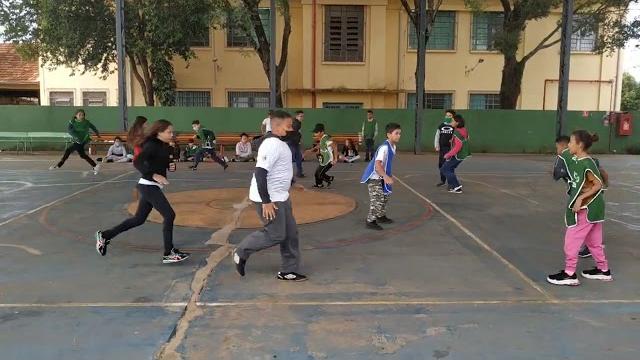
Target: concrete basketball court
<point>456,277</point>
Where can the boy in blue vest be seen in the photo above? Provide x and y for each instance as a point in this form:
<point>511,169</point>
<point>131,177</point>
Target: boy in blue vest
<point>379,178</point>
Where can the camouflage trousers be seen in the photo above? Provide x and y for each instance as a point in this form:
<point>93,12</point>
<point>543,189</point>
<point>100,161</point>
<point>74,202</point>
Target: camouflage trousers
<point>377,200</point>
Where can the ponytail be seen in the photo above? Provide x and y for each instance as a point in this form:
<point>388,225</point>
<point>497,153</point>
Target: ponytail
<point>585,138</point>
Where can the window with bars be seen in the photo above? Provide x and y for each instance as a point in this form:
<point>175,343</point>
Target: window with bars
<point>584,39</point>
<point>193,98</point>
<point>485,28</point>
<point>94,98</point>
<point>344,33</point>
<point>61,98</point>
<point>341,105</point>
<point>249,99</point>
<point>238,36</point>
<point>432,100</point>
<point>484,101</point>
<point>442,35</point>
<point>201,39</point>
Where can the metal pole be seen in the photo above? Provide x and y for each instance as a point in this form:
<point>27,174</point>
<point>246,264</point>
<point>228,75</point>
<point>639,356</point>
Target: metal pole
<point>272,57</point>
<point>122,79</point>
<point>420,74</point>
<point>565,60</point>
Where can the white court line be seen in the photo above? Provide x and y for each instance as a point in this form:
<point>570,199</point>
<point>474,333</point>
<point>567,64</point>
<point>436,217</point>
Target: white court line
<point>502,190</point>
<point>482,243</point>
<point>630,226</point>
<point>319,303</point>
<point>62,199</point>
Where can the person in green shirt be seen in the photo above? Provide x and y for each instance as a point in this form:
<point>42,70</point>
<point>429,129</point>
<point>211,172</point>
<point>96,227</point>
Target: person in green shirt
<point>584,213</point>
<point>368,133</point>
<point>78,128</point>
<point>327,156</point>
<point>207,140</point>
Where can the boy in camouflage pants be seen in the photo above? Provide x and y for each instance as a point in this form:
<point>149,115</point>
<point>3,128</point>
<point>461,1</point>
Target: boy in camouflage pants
<point>379,178</point>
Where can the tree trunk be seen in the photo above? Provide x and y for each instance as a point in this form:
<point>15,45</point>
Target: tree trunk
<point>511,85</point>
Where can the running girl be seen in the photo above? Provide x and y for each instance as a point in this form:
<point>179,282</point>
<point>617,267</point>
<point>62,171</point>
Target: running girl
<point>79,128</point>
<point>584,213</point>
<point>152,162</point>
<point>135,136</point>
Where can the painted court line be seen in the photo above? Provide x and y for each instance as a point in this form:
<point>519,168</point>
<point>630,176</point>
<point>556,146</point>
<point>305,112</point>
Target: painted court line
<point>508,192</point>
<point>63,199</point>
<point>482,244</point>
<point>317,303</point>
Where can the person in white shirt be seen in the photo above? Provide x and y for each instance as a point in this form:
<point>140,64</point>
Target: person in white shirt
<point>243,149</point>
<point>117,152</point>
<point>266,123</point>
<point>269,190</point>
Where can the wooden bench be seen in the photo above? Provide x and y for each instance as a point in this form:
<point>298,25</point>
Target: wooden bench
<point>222,139</point>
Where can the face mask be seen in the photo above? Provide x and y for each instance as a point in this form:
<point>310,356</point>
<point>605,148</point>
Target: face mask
<point>117,143</point>
<point>195,128</point>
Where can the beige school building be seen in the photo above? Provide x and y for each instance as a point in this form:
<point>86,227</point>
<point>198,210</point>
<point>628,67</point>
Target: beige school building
<point>362,54</point>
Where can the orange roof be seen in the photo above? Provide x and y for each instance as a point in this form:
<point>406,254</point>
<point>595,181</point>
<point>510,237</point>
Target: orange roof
<point>15,70</point>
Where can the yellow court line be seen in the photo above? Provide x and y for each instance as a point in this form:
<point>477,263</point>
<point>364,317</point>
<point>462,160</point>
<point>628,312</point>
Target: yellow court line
<point>482,244</point>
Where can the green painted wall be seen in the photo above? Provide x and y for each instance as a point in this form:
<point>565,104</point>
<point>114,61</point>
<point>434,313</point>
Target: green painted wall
<point>507,131</point>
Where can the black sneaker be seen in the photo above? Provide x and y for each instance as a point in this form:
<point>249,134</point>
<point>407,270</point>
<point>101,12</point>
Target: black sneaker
<point>457,190</point>
<point>584,252</point>
<point>373,225</point>
<point>194,168</point>
<point>225,166</point>
<point>321,186</point>
<point>330,181</point>
<point>384,220</point>
<point>240,263</point>
<point>597,274</point>
<point>291,276</point>
<point>175,256</point>
<point>440,184</point>
<point>562,278</point>
<point>101,243</point>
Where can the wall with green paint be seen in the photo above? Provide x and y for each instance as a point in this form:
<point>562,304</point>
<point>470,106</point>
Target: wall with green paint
<point>506,131</point>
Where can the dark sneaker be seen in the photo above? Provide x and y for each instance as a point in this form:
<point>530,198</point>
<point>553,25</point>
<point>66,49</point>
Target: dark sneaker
<point>291,276</point>
<point>457,190</point>
<point>240,263</point>
<point>584,252</point>
<point>384,220</point>
<point>194,168</point>
<point>225,166</point>
<point>597,274</point>
<point>175,256</point>
<point>101,243</point>
<point>330,181</point>
<point>321,186</point>
<point>373,225</point>
<point>440,184</point>
<point>562,278</point>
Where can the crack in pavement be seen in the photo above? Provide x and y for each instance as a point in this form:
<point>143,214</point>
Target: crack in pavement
<point>168,351</point>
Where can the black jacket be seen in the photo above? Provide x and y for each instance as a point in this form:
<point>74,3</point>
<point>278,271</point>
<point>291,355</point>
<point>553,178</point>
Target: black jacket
<point>154,159</point>
<point>444,135</point>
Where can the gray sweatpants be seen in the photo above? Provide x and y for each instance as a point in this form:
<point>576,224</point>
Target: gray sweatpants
<point>282,231</point>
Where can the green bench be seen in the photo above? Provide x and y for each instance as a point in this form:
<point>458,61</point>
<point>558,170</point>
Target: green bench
<point>17,138</point>
<point>48,137</point>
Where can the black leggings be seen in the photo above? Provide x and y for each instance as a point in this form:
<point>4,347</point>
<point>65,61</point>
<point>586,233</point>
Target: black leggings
<point>80,149</point>
<point>151,197</point>
<point>321,174</point>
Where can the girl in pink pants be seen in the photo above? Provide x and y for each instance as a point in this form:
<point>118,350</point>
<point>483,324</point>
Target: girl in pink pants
<point>584,214</point>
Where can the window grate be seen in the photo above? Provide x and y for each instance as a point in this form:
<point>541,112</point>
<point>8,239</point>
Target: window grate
<point>344,33</point>
<point>193,98</point>
<point>248,99</point>
<point>486,27</point>
<point>442,35</point>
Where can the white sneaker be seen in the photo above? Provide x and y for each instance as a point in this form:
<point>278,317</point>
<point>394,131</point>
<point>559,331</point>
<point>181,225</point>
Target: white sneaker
<point>96,169</point>
<point>53,167</point>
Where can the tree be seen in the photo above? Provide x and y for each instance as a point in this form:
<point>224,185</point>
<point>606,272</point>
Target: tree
<point>80,34</point>
<point>602,17</point>
<point>630,93</point>
<point>432,11</point>
<point>244,17</point>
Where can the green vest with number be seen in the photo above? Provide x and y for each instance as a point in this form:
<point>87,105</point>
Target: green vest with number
<point>578,169</point>
<point>326,151</point>
<point>464,152</point>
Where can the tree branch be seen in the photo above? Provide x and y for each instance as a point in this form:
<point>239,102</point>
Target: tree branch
<point>542,45</point>
<point>284,49</point>
<point>410,12</point>
<point>136,73</point>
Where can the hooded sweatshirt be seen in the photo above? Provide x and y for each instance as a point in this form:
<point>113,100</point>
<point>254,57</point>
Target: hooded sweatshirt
<point>460,145</point>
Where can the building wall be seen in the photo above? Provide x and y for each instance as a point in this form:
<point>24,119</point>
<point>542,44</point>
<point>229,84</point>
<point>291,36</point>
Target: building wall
<point>386,75</point>
<point>61,79</point>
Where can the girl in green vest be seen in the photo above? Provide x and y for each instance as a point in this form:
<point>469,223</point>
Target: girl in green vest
<point>584,213</point>
<point>79,128</point>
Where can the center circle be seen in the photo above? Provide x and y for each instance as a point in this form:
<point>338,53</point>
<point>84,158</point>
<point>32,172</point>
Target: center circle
<point>215,208</point>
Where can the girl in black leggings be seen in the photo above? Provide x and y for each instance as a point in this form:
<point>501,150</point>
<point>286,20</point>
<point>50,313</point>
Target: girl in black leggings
<point>152,162</point>
<point>79,128</point>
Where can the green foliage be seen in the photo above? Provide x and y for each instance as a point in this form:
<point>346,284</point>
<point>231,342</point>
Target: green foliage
<point>630,93</point>
<point>80,34</point>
